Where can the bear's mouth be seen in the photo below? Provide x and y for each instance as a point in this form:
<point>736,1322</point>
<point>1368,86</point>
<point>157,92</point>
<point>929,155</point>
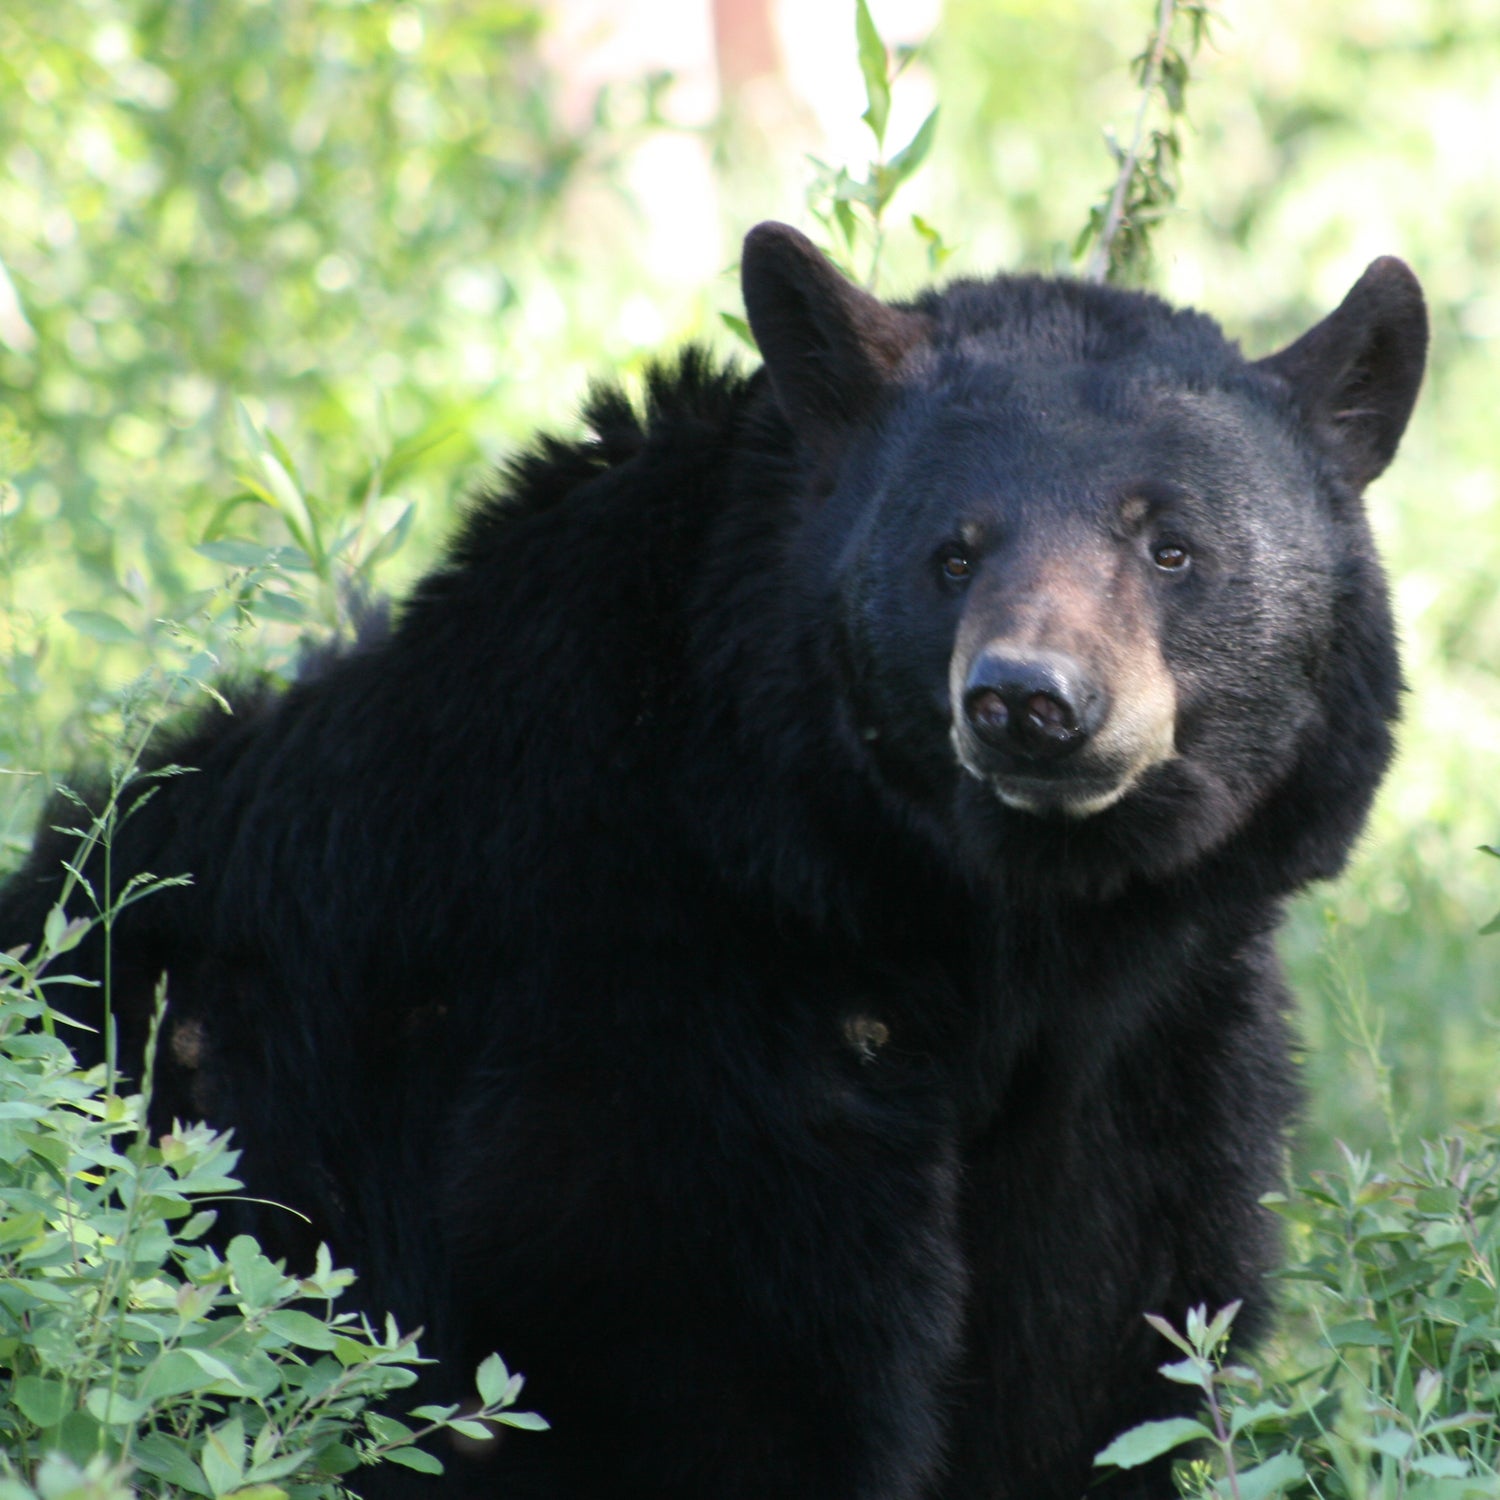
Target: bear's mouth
<point>1071,796</point>
<point>1076,790</point>
<point>1079,785</point>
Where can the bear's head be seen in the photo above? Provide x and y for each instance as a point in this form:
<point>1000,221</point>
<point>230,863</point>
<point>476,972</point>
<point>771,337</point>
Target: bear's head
<point>1099,591</point>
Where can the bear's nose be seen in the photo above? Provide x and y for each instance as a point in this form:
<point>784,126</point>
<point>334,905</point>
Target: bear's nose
<point>1038,705</point>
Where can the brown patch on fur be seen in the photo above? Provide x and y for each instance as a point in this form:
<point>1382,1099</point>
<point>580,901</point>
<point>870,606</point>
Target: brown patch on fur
<point>866,1035</point>
<point>187,1042</point>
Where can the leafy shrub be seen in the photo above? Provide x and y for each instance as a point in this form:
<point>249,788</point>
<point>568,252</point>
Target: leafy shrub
<point>1394,1293</point>
<point>133,1349</point>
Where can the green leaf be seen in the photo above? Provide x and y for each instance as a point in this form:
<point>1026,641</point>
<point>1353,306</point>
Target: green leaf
<point>227,508</point>
<point>391,542</point>
<point>22,1229</point>
<point>235,552</point>
<point>1249,1416</point>
<point>913,154</point>
<point>114,1410</point>
<point>350,1351</point>
<point>281,490</point>
<point>99,626</point>
<point>1271,1478</point>
<point>739,328</point>
<point>167,1458</point>
<point>1192,1371</point>
<point>1442,1466</point>
<point>1358,1334</point>
<point>434,1413</point>
<point>336,1458</point>
<point>1174,79</point>
<point>276,606</point>
<point>403,458</point>
<point>257,1280</point>
<point>1150,1440</point>
<point>528,1420</point>
<point>301,1328</point>
<point>199,1224</point>
<point>71,935</point>
<point>387,1429</point>
<point>1391,1441</point>
<point>492,1378</point>
<point>223,1456</point>
<point>41,1401</point>
<point>480,1432</point>
<point>175,1374</point>
<point>55,925</point>
<point>1169,1333</point>
<point>874,64</point>
<point>938,251</point>
<point>1218,1329</point>
<point>848,225</point>
<point>414,1458</point>
<point>1438,1200</point>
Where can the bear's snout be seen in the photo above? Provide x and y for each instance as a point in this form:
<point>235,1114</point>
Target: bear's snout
<point>1032,705</point>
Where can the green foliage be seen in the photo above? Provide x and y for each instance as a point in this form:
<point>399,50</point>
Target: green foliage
<point>278,596</point>
<point>323,209</point>
<point>246,201</point>
<point>1393,1388</point>
<point>1493,925</point>
<point>131,1346</point>
<point>852,209</point>
<point>1117,236</point>
<point>134,1352</point>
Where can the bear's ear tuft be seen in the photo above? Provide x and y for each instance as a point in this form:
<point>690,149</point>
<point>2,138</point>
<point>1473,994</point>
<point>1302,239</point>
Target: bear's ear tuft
<point>830,348</point>
<point>1356,373</point>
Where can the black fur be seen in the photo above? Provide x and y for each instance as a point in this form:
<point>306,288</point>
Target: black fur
<point>619,965</point>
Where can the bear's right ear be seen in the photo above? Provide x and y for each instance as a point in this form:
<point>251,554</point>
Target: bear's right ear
<point>829,347</point>
<point>1355,375</point>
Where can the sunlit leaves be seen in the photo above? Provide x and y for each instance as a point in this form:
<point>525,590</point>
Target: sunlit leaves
<point>852,208</point>
<point>132,1351</point>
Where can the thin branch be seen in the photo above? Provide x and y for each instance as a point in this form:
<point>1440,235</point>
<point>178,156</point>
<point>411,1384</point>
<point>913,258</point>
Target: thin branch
<point>1097,268</point>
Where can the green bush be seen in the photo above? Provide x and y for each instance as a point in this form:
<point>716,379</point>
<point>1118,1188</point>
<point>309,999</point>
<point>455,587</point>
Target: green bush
<point>1388,1380</point>
<point>135,1352</point>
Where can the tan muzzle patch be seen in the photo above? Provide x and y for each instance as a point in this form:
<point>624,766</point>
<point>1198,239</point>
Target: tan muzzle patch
<point>1094,609</point>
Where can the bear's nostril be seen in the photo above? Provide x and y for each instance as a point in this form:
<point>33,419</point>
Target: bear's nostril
<point>1051,717</point>
<point>988,712</point>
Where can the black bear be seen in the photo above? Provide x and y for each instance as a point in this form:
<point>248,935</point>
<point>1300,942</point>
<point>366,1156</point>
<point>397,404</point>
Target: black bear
<point>778,938</point>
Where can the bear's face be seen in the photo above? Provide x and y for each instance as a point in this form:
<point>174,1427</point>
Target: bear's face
<point>1053,586</point>
<point>1094,584</point>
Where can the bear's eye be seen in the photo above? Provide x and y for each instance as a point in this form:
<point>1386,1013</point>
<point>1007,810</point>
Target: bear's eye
<point>1170,557</point>
<point>955,566</point>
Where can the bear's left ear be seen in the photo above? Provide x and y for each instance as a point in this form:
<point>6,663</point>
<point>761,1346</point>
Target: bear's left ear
<point>1356,373</point>
<point>830,348</point>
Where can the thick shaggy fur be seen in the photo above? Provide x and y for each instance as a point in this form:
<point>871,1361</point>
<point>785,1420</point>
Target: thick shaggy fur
<point>626,965</point>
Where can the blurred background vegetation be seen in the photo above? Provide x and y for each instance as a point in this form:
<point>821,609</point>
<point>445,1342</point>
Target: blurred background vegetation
<point>280,279</point>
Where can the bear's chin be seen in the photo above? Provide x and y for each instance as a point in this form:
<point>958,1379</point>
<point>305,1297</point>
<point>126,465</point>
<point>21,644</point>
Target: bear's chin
<point>1051,799</point>
<point>1150,826</point>
<point>1075,793</point>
